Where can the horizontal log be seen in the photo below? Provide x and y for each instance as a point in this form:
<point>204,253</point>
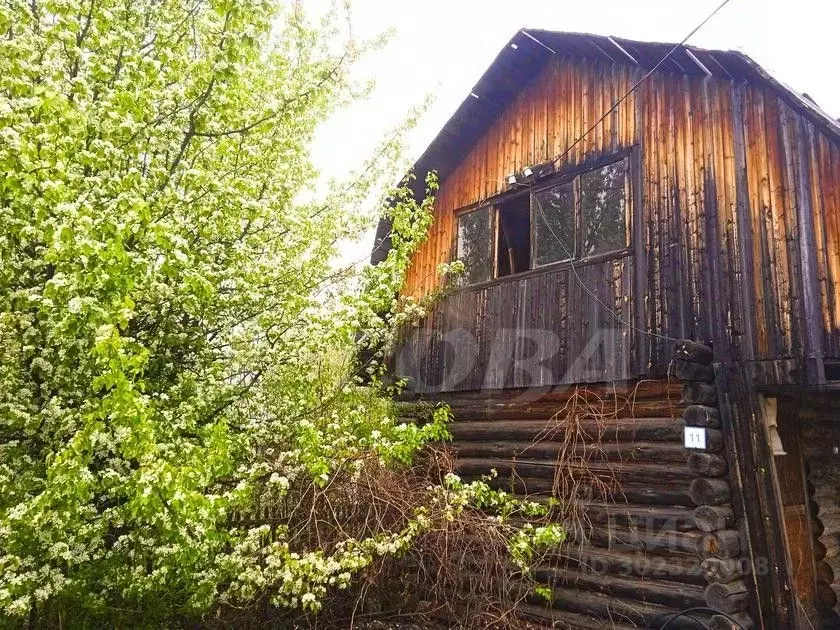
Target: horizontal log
<point>649,540</point>
<point>541,410</point>
<point>695,393</point>
<point>742,619</point>
<point>827,547</point>
<point>606,430</point>
<point>415,410</point>
<point>834,566</point>
<point>612,608</point>
<point>646,516</point>
<point>652,452</point>
<point>663,494</point>
<point>648,591</point>
<point>593,392</point>
<point>709,518</point>
<point>682,567</point>
<point>722,569</point>
<point>707,464</point>
<point>820,450</point>
<point>689,350</point>
<point>701,416</point>
<point>825,572</point>
<point>826,596</point>
<point>723,543</point>
<point>561,618</point>
<point>714,442</point>
<point>620,472</point>
<point>830,524</point>
<point>728,597</point>
<point>819,432</point>
<point>825,494</point>
<point>709,491</point>
<point>825,509</point>
<point>692,371</point>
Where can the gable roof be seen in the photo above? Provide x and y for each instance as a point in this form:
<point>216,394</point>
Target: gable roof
<point>528,52</point>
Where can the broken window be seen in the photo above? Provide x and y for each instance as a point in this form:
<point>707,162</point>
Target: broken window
<point>513,254</point>
<point>576,219</point>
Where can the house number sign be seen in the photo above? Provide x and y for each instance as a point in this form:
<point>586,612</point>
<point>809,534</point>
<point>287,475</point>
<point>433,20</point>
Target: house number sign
<point>695,437</point>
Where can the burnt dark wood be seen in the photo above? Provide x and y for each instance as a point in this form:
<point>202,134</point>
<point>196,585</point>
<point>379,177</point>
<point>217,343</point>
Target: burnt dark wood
<point>710,491</point>
<point>694,352</point>
<point>756,503</point>
<point>709,518</point>
<point>721,569</point>
<point>721,622</point>
<point>695,393</point>
<point>701,416</point>
<point>691,371</point>
<point>707,464</point>
<point>728,597</point>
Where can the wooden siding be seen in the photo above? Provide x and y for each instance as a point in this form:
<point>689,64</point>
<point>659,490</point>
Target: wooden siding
<point>739,211</point>
<point>537,330</point>
<point>556,108</point>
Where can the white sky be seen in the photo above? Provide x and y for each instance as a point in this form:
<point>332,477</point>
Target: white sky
<point>441,47</point>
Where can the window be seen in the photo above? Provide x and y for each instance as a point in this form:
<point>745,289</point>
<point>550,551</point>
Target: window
<point>578,218</point>
<point>554,224</point>
<point>513,254</point>
<point>476,244</point>
<point>582,218</point>
<point>602,214</point>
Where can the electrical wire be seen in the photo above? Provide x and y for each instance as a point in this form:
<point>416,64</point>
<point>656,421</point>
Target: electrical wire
<point>593,295</point>
<point>632,89</point>
<point>703,609</point>
<point>636,85</point>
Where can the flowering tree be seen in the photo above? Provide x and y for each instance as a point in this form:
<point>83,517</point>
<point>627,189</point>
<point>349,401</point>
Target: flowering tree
<point>174,339</point>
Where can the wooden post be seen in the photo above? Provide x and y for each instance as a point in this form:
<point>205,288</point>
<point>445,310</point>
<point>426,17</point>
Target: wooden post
<point>756,503</point>
<point>721,548</point>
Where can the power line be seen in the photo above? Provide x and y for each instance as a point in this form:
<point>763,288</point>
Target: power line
<point>642,80</point>
<point>593,295</point>
<point>633,88</point>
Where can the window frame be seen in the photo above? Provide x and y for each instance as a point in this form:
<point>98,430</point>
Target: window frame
<point>573,184</point>
<point>574,179</point>
<point>568,176</point>
<point>494,229</point>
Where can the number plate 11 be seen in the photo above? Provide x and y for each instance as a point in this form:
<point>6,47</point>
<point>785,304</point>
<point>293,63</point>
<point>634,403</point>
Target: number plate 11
<point>695,437</point>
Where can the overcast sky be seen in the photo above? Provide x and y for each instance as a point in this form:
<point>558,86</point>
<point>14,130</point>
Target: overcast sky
<point>441,47</point>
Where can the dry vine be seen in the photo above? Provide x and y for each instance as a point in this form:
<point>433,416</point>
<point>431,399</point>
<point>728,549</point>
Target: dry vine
<point>457,574</point>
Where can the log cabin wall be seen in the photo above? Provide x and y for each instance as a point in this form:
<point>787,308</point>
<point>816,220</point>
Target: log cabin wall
<point>736,219</point>
<point>819,439</point>
<point>655,533</point>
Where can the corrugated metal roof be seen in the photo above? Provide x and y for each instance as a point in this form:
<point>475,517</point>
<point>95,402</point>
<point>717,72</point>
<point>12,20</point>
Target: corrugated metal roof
<point>527,53</point>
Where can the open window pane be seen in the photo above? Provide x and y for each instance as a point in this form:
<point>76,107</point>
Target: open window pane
<point>514,247</point>
<point>554,224</point>
<point>475,245</point>
<point>603,209</point>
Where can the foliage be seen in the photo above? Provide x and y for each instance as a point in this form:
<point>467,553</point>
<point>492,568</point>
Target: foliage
<point>175,340</point>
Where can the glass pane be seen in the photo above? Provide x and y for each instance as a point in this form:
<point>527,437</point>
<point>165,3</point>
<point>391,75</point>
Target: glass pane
<point>603,210</point>
<point>475,245</point>
<point>554,224</point>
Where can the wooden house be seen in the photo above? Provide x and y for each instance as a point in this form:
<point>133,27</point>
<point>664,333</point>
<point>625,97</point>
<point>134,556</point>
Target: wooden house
<point>651,234</point>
